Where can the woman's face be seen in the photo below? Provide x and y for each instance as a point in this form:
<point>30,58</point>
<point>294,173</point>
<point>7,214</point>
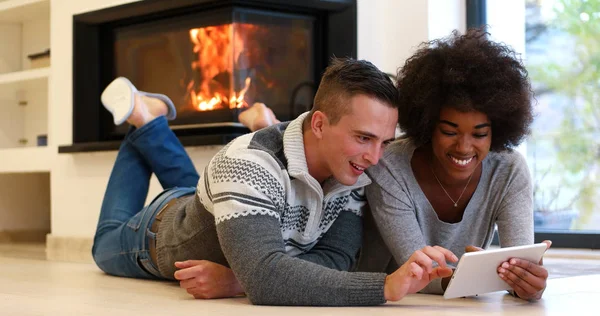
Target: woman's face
<point>460,141</point>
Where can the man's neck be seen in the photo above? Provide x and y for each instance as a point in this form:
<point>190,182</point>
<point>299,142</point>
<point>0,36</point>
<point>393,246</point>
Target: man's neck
<point>314,161</point>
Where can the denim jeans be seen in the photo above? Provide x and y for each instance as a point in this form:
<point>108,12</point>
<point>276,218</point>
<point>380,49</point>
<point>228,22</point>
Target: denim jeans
<point>123,233</point>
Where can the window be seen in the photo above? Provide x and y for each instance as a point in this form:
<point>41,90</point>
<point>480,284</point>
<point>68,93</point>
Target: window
<point>558,40</point>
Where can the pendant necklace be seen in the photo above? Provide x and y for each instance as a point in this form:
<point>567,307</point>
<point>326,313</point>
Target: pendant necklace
<point>463,191</point>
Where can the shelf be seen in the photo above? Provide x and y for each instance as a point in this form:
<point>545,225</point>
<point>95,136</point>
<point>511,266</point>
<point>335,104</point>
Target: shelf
<point>17,11</point>
<point>26,159</point>
<point>25,75</point>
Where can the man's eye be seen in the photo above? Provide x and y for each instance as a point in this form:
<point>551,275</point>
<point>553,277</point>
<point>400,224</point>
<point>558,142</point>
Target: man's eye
<point>363,139</point>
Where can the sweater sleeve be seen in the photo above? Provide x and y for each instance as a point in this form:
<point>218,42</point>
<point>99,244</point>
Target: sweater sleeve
<point>395,218</point>
<point>515,214</point>
<point>339,246</point>
<point>255,250</point>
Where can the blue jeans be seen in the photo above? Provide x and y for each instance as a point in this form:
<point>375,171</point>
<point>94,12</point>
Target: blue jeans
<point>123,233</point>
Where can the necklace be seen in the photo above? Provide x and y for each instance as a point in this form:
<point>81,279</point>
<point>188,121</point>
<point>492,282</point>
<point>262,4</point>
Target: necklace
<point>461,194</point>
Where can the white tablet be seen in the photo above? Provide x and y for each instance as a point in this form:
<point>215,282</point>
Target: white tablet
<point>476,272</point>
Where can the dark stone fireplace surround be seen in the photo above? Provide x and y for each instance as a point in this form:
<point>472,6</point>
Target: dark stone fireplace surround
<point>335,35</point>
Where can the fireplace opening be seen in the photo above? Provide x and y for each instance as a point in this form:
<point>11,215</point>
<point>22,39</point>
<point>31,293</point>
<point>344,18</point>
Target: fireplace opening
<point>216,63</point>
<point>213,58</point>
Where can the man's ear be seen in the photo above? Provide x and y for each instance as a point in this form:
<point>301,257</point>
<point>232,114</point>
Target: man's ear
<point>318,121</point>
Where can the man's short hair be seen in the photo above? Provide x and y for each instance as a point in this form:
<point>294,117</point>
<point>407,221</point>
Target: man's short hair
<point>347,77</point>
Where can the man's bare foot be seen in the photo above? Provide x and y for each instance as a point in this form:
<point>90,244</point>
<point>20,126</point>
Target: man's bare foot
<point>146,109</point>
<point>156,106</point>
<point>258,116</point>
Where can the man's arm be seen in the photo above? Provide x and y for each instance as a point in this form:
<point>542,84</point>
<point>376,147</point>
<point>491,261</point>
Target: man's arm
<point>336,250</point>
<point>271,277</point>
<point>255,251</point>
<point>340,244</point>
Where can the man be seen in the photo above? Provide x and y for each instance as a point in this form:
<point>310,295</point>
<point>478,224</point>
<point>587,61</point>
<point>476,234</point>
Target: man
<point>281,207</point>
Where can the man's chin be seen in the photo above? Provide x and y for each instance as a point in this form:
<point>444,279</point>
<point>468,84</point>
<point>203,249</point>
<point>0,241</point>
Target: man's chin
<point>348,180</point>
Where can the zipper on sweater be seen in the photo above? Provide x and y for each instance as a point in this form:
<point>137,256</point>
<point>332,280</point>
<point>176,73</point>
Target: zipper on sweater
<point>314,217</point>
<point>315,221</point>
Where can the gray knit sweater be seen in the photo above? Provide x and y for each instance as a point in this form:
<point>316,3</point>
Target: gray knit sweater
<point>407,222</point>
<point>289,240</point>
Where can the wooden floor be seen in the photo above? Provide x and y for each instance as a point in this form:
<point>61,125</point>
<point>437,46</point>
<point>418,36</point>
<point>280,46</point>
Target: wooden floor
<point>30,285</point>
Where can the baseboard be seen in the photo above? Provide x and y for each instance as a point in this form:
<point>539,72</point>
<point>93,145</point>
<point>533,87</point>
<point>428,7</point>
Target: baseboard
<point>573,253</point>
<point>69,249</point>
<point>18,236</point>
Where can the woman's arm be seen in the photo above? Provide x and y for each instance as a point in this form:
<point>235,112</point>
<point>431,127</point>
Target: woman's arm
<point>515,228</point>
<point>395,219</point>
<point>397,223</point>
<point>515,212</point>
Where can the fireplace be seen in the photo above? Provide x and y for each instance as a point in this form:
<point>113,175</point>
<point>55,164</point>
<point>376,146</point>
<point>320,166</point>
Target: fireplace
<point>212,58</point>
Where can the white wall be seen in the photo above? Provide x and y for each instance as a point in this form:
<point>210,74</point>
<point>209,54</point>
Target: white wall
<point>509,31</point>
<point>388,30</point>
<point>446,16</point>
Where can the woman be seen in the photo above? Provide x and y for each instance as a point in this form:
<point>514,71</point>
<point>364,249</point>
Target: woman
<point>465,103</point>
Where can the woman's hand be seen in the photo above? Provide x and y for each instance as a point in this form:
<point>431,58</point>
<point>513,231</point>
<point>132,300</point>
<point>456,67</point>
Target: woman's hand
<point>205,279</point>
<point>528,279</point>
<point>418,271</point>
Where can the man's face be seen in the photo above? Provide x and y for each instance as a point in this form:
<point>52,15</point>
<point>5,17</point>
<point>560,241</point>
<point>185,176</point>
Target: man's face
<point>358,139</point>
<point>460,141</point>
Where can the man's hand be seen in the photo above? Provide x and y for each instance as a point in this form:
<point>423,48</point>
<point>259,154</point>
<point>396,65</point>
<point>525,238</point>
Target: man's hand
<point>418,271</point>
<point>472,248</point>
<point>528,279</point>
<point>205,279</point>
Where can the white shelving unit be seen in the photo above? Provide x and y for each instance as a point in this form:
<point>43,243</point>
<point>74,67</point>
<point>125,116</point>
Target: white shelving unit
<point>25,30</point>
<point>16,11</point>
<point>26,160</point>
<point>24,76</point>
<point>25,166</point>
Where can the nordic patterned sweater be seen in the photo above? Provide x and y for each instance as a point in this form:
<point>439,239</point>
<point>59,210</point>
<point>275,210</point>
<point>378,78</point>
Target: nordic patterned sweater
<point>288,240</point>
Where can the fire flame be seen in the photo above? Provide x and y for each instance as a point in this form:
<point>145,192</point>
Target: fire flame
<point>217,48</point>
